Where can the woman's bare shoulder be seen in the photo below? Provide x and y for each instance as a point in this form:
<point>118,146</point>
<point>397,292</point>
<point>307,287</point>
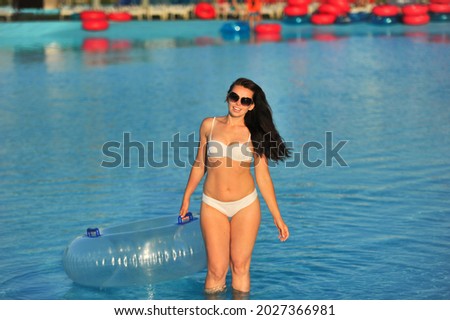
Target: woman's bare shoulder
<point>206,125</point>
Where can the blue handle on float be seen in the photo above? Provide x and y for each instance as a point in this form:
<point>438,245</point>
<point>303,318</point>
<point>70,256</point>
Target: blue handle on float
<point>93,232</point>
<point>187,218</point>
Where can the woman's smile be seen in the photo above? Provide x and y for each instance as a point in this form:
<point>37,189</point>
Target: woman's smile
<point>236,109</point>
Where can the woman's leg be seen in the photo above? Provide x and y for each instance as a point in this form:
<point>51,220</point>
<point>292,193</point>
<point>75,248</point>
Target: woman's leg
<point>216,234</point>
<point>244,229</point>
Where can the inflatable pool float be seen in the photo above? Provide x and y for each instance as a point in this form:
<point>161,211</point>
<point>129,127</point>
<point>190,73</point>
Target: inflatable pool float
<point>343,5</point>
<point>296,19</point>
<point>137,253</point>
<point>295,11</point>
<point>94,20</point>
<point>323,18</point>
<point>95,25</point>
<point>439,10</point>
<point>415,15</point>
<point>268,28</point>
<point>327,8</point>
<point>440,17</point>
<point>414,9</point>
<point>235,31</point>
<point>385,14</point>
<point>268,32</point>
<point>120,16</point>
<point>386,10</point>
<point>298,3</point>
<point>416,20</point>
<point>439,7</point>
<point>205,11</point>
<point>93,15</point>
<point>235,27</point>
<point>359,16</point>
<point>295,14</point>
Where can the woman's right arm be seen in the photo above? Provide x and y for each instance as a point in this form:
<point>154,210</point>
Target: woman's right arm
<point>198,168</point>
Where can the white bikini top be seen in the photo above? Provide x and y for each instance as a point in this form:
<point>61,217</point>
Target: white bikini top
<point>236,151</point>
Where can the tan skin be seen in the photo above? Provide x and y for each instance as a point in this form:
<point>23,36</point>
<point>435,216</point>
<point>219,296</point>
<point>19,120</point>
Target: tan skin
<point>230,242</point>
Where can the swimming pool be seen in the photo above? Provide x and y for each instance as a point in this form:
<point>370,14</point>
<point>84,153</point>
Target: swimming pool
<point>377,228</point>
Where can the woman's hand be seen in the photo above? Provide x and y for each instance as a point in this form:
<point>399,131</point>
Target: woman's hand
<point>283,230</point>
<point>184,208</point>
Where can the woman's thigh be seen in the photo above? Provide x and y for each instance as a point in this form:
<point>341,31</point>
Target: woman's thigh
<point>244,230</point>
<point>216,234</point>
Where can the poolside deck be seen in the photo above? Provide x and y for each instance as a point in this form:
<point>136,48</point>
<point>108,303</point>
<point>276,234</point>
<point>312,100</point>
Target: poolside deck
<point>138,12</point>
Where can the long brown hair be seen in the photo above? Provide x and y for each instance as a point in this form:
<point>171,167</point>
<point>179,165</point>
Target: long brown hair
<point>259,121</point>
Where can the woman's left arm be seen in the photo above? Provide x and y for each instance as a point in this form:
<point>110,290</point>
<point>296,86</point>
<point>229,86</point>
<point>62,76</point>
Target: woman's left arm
<point>265,185</point>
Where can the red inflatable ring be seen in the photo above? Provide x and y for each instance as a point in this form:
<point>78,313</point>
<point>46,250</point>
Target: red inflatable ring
<point>323,18</point>
<point>386,10</point>
<point>119,16</point>
<point>268,28</point>
<point>95,25</point>
<point>416,20</point>
<point>344,5</point>
<point>440,1</point>
<point>439,8</point>
<point>414,10</point>
<point>295,11</point>
<point>327,8</point>
<point>92,15</point>
<point>205,11</point>
<point>298,3</point>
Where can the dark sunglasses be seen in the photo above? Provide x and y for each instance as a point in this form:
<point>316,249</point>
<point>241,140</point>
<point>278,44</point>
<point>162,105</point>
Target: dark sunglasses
<point>234,97</point>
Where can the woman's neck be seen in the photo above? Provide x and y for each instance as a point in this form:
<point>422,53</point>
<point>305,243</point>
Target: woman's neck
<point>235,121</point>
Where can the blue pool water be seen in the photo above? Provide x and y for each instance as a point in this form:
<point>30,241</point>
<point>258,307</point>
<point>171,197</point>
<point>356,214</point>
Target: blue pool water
<point>378,228</point>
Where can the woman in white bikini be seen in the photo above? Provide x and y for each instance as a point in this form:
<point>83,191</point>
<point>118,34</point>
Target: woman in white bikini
<point>230,212</point>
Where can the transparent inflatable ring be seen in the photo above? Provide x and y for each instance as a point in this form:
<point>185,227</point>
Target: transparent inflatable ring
<point>137,253</point>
